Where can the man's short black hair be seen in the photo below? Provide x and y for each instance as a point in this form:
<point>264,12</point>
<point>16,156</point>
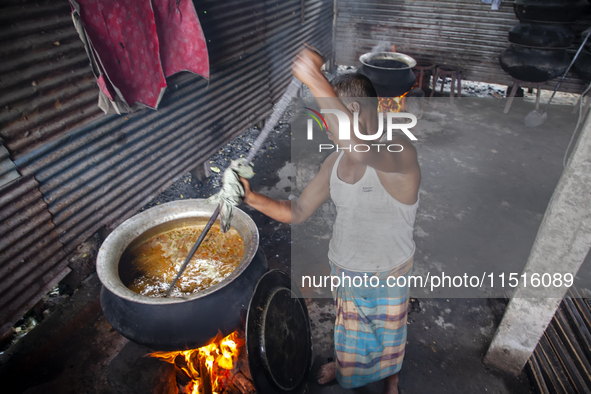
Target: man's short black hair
<point>353,85</point>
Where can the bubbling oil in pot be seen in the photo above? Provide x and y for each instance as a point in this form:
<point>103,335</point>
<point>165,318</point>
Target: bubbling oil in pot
<point>149,268</point>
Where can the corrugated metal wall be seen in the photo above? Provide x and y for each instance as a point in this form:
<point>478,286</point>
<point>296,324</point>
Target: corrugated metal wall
<point>46,86</point>
<point>464,33</point>
<point>102,172</point>
<point>97,173</point>
<point>289,23</point>
<point>31,257</point>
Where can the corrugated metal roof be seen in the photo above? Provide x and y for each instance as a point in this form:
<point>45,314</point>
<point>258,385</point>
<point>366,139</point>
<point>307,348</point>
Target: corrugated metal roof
<point>462,33</point>
<point>31,256</point>
<point>8,170</point>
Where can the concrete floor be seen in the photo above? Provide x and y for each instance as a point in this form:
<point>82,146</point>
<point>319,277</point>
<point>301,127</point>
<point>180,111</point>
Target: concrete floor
<point>486,182</point>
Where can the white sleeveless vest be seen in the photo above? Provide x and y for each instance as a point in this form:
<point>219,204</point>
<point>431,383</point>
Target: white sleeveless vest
<point>373,231</point>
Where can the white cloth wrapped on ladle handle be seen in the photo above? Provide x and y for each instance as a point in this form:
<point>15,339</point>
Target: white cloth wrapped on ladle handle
<point>232,191</point>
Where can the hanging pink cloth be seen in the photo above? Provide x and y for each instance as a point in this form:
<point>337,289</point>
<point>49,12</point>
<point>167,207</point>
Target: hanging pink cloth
<point>182,44</point>
<point>134,44</point>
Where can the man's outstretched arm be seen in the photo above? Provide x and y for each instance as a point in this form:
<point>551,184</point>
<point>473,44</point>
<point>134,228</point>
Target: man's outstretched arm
<point>313,196</point>
<point>306,68</point>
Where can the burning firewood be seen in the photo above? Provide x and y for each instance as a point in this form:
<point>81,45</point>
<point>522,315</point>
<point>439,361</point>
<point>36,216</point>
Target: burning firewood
<point>205,379</point>
<point>231,389</point>
<point>243,384</point>
<point>210,368</point>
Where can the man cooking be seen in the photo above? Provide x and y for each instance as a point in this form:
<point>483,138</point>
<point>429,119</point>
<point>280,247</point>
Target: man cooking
<point>376,196</point>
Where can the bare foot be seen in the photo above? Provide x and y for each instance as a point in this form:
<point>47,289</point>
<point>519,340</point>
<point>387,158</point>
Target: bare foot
<point>327,373</point>
<point>391,386</point>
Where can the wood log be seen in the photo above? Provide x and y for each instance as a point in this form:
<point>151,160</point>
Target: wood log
<point>231,389</point>
<point>242,363</point>
<point>577,324</point>
<point>547,372</point>
<point>561,383</point>
<point>567,362</point>
<point>243,384</point>
<point>205,377</point>
<point>536,376</point>
<point>581,306</point>
<point>570,340</point>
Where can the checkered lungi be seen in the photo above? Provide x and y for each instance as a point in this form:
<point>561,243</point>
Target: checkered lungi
<point>370,327</point>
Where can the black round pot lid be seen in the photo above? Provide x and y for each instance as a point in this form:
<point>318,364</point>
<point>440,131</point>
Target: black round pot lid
<point>278,337</point>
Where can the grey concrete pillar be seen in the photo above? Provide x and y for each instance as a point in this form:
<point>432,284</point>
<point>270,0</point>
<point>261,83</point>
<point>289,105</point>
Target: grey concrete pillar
<point>562,242</point>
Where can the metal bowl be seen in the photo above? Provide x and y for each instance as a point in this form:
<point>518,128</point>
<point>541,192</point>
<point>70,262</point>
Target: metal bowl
<point>177,323</point>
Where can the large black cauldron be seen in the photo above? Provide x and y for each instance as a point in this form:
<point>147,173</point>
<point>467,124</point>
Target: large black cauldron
<point>177,323</point>
<point>541,35</point>
<point>390,72</point>
<point>550,10</point>
<point>533,64</point>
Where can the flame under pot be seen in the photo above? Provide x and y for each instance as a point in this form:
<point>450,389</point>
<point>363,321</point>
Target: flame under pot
<point>390,72</point>
<point>177,323</point>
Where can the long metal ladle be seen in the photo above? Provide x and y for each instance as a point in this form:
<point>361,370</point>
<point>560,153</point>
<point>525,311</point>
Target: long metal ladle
<point>281,106</point>
<point>291,91</point>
